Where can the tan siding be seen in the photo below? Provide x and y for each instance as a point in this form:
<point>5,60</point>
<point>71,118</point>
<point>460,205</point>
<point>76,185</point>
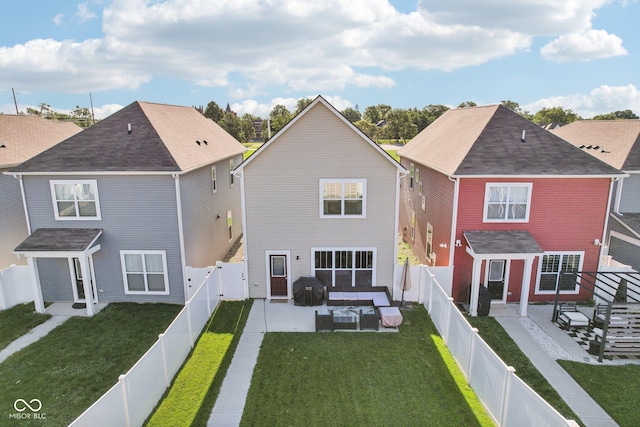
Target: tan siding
<point>283,204</point>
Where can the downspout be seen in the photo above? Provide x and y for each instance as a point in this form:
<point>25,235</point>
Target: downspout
<point>24,203</point>
<point>606,217</point>
<point>244,233</point>
<point>396,220</point>
<point>183,259</point>
<point>454,218</point>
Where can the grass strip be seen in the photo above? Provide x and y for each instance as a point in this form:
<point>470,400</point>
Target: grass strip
<point>615,388</point>
<point>467,392</point>
<point>499,340</point>
<point>17,321</point>
<point>347,379</point>
<point>190,387</point>
<point>77,362</point>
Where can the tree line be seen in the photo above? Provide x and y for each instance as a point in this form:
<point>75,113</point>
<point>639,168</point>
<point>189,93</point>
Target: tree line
<point>378,122</point>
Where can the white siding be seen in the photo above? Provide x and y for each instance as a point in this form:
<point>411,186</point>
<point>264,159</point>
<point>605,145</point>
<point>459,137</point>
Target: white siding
<point>283,201</point>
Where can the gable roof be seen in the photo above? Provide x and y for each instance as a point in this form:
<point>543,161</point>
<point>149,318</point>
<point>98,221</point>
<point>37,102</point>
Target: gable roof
<point>618,141</point>
<point>487,141</point>
<point>163,138</point>
<point>320,100</point>
<point>24,136</point>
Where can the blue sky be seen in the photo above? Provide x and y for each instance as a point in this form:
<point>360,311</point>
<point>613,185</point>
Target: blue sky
<point>254,54</point>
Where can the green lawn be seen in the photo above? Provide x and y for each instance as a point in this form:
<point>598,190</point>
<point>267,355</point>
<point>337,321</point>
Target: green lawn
<point>80,360</point>
<point>615,388</point>
<point>499,340</point>
<point>352,379</point>
<point>17,321</point>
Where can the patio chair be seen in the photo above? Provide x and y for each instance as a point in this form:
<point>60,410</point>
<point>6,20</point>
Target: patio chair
<point>570,317</point>
<point>324,322</point>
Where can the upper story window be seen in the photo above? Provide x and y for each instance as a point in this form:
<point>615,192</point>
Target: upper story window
<point>507,202</point>
<point>75,200</point>
<point>343,198</point>
<point>412,169</point>
<point>230,172</point>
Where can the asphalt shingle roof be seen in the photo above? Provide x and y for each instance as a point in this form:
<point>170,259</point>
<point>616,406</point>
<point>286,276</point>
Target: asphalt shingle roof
<point>24,136</point>
<point>618,141</point>
<point>487,141</point>
<point>163,138</point>
<point>502,242</point>
<point>59,239</point>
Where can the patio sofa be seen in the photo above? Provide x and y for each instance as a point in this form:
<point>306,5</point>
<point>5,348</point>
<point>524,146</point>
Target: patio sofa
<point>377,296</point>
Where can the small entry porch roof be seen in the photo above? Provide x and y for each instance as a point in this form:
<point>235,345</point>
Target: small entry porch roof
<point>486,245</point>
<point>78,243</point>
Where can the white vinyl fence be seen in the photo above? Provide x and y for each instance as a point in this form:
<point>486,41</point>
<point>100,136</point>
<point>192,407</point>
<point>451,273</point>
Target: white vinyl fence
<point>135,395</point>
<point>508,399</point>
<point>16,286</point>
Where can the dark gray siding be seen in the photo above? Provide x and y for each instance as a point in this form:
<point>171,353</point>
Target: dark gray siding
<point>625,252</point>
<point>630,200</point>
<point>13,227</point>
<point>205,235</point>
<point>138,213</point>
<point>56,274</point>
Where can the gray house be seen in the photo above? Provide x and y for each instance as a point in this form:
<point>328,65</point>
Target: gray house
<point>21,137</point>
<point>319,199</point>
<point>616,142</point>
<point>118,211</point>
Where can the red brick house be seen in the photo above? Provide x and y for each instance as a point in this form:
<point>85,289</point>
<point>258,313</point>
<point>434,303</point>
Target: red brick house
<point>504,202</point>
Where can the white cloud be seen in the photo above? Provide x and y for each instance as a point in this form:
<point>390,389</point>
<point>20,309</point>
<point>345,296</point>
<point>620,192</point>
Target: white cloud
<point>601,100</point>
<point>106,110</point>
<point>592,44</point>
<point>83,13</point>
<point>297,46</point>
<point>58,18</point>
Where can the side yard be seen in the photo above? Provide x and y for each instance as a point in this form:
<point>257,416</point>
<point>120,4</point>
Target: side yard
<point>77,362</point>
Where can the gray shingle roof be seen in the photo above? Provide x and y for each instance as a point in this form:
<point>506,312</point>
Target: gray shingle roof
<point>502,242</point>
<point>162,138</point>
<point>59,239</point>
<point>487,141</point>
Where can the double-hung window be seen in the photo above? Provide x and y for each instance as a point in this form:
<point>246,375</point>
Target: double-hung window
<point>345,267</point>
<point>145,272</point>
<point>343,198</point>
<point>505,202</point>
<point>75,199</point>
<point>214,181</point>
<point>552,265</point>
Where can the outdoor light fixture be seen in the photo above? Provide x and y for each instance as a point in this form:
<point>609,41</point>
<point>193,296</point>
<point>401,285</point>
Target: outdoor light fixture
<point>597,242</point>
<point>443,245</point>
<point>458,243</point>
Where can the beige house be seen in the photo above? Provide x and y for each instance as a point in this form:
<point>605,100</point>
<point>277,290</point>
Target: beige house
<point>21,137</point>
<point>319,199</point>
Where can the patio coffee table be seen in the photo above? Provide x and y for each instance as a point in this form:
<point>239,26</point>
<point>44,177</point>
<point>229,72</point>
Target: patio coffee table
<point>345,318</point>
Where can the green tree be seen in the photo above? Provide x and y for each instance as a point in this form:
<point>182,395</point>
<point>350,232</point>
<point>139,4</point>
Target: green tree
<point>248,131</point>
<point>302,104</point>
<point>368,128</point>
<point>515,107</point>
<point>399,125</point>
<point>616,115</point>
<point>79,115</point>
<point>466,104</point>
<point>279,117</point>
<point>231,123</point>
<point>555,115</point>
<point>214,112</point>
<point>376,113</point>
<point>351,114</point>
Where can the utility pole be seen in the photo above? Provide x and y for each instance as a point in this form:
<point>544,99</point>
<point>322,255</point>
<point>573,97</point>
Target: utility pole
<point>93,117</point>
<point>14,100</point>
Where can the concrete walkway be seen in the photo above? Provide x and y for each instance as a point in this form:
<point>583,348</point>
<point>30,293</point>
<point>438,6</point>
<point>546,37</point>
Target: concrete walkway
<point>543,342</point>
<point>32,336</point>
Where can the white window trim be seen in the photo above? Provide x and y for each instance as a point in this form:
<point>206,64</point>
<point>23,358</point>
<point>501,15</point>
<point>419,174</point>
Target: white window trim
<point>353,270</point>
<point>230,225</point>
<point>214,179</point>
<point>231,177</point>
<point>342,182</point>
<point>92,182</point>
<point>577,288</point>
<point>147,292</point>
<point>528,185</point>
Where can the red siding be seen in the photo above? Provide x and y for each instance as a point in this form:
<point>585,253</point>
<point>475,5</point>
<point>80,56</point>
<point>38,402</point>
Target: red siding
<point>566,215</point>
<point>439,191</point>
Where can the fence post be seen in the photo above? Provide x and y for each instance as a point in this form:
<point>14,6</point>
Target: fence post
<point>430,276</point>
<point>472,349</point>
<point>219,274</point>
<point>506,390</point>
<point>167,380</point>
<point>188,307</point>
<point>448,317</point>
<point>3,303</point>
<point>122,380</point>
